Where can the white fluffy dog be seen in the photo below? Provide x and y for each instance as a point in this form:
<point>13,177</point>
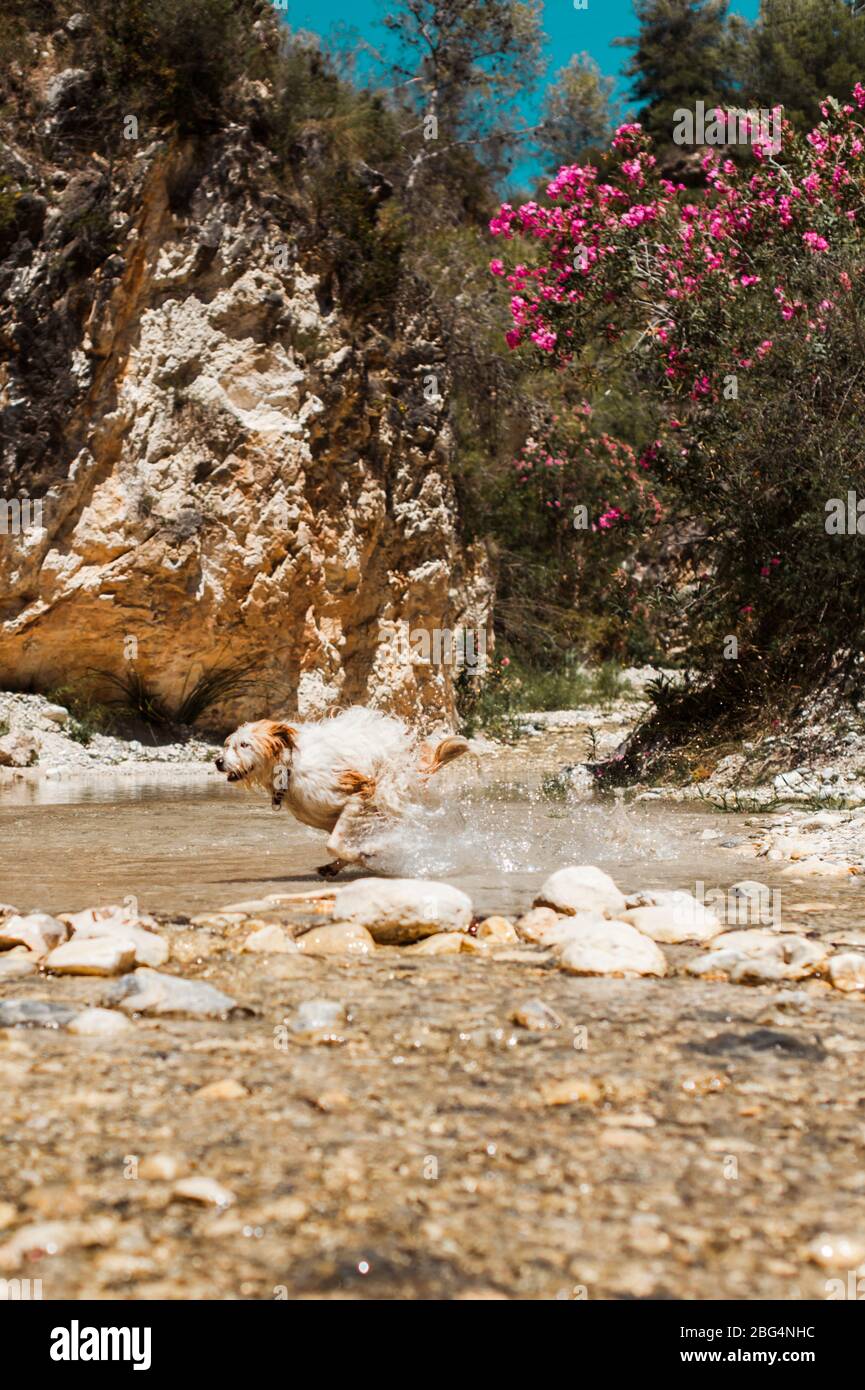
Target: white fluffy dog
<point>351,774</point>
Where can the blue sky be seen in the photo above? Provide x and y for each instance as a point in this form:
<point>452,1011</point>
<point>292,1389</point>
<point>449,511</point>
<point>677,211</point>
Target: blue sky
<point>568,30</point>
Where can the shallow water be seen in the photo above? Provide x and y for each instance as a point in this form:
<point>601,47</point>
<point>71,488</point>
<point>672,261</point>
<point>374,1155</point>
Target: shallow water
<point>197,846</point>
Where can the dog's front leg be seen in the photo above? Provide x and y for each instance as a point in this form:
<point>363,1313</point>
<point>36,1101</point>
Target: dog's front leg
<point>354,815</point>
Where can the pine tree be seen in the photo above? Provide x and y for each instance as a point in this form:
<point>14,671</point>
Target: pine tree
<point>801,51</point>
<point>683,54</point>
<point>579,112</point>
<point>459,69</point>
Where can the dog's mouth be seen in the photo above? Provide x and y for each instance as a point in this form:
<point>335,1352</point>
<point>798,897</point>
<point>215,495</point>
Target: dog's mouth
<point>234,776</point>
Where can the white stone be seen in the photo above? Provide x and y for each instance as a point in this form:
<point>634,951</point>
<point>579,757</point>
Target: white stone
<point>271,938</point>
<point>817,868</point>
<point>37,931</point>
<point>99,1023</point>
<point>601,947</point>
<point>755,956</point>
<point>206,1191</point>
<point>581,888</point>
<point>398,910</point>
<point>533,925</point>
<point>337,939</point>
<point>15,966</point>
<point>847,971</point>
<point>160,1167</point>
<point>672,916</point>
<point>151,992</point>
<point>121,924</point>
<point>94,956</point>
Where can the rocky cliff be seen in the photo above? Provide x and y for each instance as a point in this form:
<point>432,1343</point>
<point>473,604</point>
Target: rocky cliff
<point>225,470</point>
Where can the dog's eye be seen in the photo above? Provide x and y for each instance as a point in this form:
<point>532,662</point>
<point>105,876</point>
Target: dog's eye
<point>244,745</point>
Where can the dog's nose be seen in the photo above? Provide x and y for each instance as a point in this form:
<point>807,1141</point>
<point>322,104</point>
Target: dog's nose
<point>220,763</point>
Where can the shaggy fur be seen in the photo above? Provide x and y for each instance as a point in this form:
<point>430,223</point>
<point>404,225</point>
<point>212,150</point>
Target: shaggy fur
<point>351,774</point>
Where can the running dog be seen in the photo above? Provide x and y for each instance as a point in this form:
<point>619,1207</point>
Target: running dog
<point>352,774</point>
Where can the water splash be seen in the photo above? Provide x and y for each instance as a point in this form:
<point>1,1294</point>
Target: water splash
<point>517,830</point>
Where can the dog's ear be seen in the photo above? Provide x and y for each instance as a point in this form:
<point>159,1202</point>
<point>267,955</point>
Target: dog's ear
<point>285,734</point>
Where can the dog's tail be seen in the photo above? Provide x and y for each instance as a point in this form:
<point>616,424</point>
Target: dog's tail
<point>452,747</point>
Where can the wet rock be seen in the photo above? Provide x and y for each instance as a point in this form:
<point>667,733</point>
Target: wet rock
<point>671,917</point>
<point>446,943</point>
<point>399,910</point>
<point>35,1013</point>
<point>15,966</point>
<point>205,1191</point>
<point>498,930</point>
<point>39,932</point>
<point>535,1015</point>
<point>97,956</point>
<point>847,971</point>
<point>600,947</point>
<point>337,939</point>
<point>150,992</point>
<point>53,1238</point>
<point>581,888</point>
<point>121,923</point>
<point>318,1020</point>
<point>271,938</point>
<point>759,1040</point>
<point>99,1023</point>
<point>532,925</point>
<point>566,928</point>
<point>756,957</point>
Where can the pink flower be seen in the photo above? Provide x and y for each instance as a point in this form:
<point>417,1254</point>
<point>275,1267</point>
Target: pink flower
<point>497,268</point>
<point>814,242</point>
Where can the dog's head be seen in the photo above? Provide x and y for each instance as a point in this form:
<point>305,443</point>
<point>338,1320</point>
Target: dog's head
<point>252,750</point>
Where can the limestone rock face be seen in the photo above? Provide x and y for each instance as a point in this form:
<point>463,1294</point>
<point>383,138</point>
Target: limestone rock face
<point>222,467</point>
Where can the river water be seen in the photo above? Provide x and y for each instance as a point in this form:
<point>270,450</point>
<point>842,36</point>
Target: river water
<point>195,846</point>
